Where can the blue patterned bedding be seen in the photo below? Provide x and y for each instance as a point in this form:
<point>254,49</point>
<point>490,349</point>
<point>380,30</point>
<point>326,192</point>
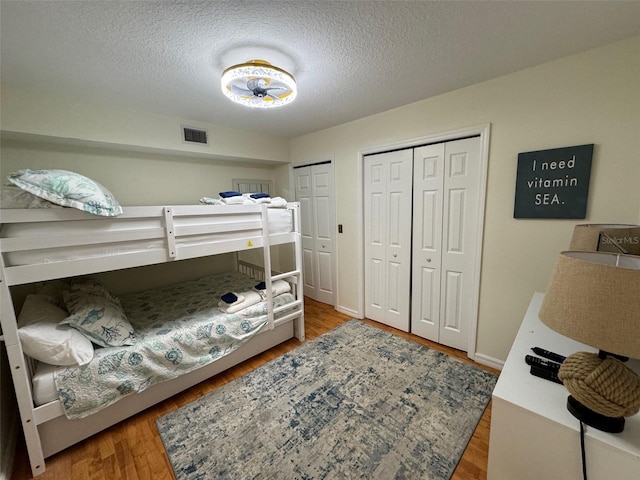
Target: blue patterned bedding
<point>179,329</point>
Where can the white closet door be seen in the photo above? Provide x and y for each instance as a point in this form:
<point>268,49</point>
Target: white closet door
<point>388,184</point>
<point>314,191</point>
<point>302,180</point>
<point>428,181</point>
<point>445,229</point>
<point>460,238</point>
<point>324,227</point>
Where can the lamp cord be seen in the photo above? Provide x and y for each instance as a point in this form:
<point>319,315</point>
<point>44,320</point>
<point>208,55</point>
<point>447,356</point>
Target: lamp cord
<point>584,460</point>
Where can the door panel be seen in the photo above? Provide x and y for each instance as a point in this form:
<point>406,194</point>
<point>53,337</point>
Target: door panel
<point>314,191</point>
<point>427,240</point>
<point>451,320</point>
<point>322,218</point>
<point>425,296</point>
<point>302,181</point>
<point>460,235</point>
<point>325,273</point>
<point>387,216</point>
<point>455,221</point>
<point>375,255</point>
<point>429,204</point>
<point>375,238</point>
<point>376,276</point>
<point>308,274</point>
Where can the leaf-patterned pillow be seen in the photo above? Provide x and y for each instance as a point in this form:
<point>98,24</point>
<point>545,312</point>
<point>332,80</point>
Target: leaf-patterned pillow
<point>69,189</point>
<point>101,319</point>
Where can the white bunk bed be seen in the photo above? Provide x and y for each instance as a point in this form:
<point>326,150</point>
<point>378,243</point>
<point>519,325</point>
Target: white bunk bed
<point>44,244</point>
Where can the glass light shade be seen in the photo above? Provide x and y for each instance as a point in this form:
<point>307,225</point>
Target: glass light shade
<point>606,237</point>
<point>594,298</point>
<point>259,84</point>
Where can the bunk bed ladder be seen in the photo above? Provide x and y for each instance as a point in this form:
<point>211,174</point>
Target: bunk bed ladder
<point>18,365</point>
<point>295,274</point>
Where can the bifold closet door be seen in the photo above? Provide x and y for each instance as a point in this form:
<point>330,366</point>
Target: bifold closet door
<point>314,191</point>
<point>445,236</point>
<point>387,210</point>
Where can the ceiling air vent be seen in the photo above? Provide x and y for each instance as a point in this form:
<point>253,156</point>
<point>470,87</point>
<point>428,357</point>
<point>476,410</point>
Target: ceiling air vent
<point>194,135</point>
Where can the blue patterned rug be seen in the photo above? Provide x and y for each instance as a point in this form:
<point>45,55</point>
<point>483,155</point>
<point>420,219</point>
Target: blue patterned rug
<point>354,403</point>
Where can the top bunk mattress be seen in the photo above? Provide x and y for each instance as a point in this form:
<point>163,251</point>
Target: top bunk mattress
<point>140,236</point>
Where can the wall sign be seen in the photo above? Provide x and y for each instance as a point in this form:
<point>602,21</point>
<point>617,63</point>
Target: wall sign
<point>553,183</point>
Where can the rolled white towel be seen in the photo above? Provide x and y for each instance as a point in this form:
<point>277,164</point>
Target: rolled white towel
<point>211,201</point>
<point>278,288</point>
<point>278,202</point>
<point>250,298</point>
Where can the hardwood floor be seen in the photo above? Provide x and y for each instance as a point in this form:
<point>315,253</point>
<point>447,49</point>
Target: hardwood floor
<point>132,449</point>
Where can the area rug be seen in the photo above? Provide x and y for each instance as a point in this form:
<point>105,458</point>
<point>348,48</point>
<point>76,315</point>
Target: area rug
<point>355,403</point>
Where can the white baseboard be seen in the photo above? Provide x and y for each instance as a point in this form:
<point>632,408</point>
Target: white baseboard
<point>347,311</point>
<point>478,357</point>
<point>9,441</point>
<point>489,361</point>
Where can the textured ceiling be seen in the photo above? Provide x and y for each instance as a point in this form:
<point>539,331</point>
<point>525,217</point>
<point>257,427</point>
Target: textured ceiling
<point>350,58</point>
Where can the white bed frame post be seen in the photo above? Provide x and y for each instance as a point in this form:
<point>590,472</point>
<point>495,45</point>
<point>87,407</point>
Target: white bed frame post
<point>18,367</point>
<point>299,325</point>
<point>266,248</point>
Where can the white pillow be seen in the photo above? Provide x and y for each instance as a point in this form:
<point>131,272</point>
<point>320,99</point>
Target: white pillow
<point>69,189</point>
<point>45,340</point>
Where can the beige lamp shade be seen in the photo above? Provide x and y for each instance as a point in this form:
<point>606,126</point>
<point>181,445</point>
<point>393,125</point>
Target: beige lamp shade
<point>617,238</point>
<point>594,298</point>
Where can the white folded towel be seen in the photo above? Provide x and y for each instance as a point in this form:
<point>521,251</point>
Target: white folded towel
<point>239,299</point>
<point>249,298</point>
<point>239,200</point>
<point>250,199</point>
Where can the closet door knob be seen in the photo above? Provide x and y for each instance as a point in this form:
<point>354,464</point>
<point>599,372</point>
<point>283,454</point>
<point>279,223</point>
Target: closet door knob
<point>395,255</point>
<point>428,260</point>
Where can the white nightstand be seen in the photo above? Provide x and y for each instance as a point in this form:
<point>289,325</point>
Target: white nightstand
<point>533,436</point>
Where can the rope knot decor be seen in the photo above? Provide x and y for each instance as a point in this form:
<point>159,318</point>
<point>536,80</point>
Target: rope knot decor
<point>605,386</point>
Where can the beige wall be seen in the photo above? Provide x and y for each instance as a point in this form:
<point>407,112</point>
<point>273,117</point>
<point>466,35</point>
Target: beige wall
<point>136,178</point>
<point>587,98</point>
<point>118,126</point>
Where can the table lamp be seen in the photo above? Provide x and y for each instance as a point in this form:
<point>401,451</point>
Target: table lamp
<point>606,237</point>
<point>594,298</point>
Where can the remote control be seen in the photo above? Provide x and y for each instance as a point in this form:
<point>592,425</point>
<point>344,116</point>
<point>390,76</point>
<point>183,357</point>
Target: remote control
<point>549,355</point>
<point>538,362</point>
<point>546,374</point>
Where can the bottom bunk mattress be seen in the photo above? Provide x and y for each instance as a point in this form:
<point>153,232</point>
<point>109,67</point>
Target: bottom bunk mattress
<point>178,329</point>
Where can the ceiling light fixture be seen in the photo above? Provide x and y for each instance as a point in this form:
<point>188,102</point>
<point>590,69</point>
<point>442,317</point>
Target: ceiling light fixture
<point>257,83</point>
